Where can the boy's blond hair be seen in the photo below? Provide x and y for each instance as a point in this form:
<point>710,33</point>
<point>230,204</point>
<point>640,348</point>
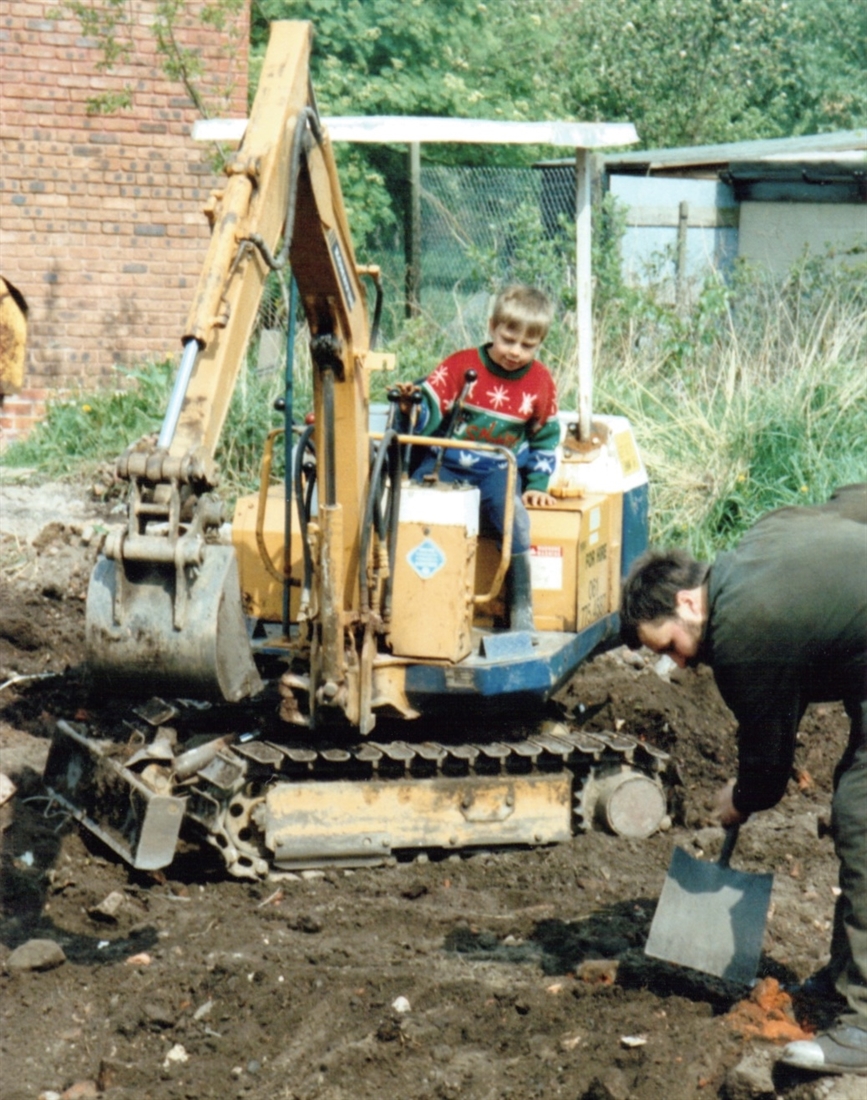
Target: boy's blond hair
<point>524,307</point>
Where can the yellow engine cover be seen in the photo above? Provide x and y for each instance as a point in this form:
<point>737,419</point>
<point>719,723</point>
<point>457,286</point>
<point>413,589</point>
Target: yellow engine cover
<point>574,560</point>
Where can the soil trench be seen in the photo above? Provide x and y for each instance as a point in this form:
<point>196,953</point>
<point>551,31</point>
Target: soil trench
<point>506,974</point>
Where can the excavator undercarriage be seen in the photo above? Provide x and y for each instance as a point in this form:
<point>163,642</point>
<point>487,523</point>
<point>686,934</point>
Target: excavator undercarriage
<point>284,805</point>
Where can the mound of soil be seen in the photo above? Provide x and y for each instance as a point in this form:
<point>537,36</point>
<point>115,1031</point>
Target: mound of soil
<point>516,974</point>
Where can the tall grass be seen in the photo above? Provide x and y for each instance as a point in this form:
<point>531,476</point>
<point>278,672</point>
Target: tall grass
<point>756,398</point>
<point>85,432</point>
<point>752,398</point>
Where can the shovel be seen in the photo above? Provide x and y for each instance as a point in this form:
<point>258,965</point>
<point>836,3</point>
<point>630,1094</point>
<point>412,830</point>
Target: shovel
<point>710,917</point>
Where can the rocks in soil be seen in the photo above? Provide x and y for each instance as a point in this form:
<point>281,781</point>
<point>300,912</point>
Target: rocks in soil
<point>841,1088</point>
<point>7,788</point>
<point>108,908</point>
<point>612,1085</point>
<point>751,1078</point>
<point>36,955</point>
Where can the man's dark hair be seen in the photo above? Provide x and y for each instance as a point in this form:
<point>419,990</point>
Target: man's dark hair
<point>650,591</point>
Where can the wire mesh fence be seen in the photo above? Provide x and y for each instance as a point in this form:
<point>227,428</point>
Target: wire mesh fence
<point>481,227</point>
<point>478,223</point>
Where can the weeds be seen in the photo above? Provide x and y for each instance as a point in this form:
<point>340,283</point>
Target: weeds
<point>760,402</point>
<point>84,430</point>
<point>753,398</point>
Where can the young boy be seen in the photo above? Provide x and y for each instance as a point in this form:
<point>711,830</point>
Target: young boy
<point>513,403</point>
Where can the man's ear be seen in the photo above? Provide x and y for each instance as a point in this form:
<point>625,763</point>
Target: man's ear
<point>689,599</point>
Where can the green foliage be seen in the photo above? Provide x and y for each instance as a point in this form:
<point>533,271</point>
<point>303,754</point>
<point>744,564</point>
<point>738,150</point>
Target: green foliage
<point>422,343</point>
<point>608,231</point>
<point>525,253</point>
<point>251,416</point>
<point>416,58</point>
<point>369,207</point>
<point>84,432</point>
<point>683,71</point>
<point>90,428</point>
<point>529,254</point>
<point>753,399</point>
<point>109,24</point>
<point>701,71</point>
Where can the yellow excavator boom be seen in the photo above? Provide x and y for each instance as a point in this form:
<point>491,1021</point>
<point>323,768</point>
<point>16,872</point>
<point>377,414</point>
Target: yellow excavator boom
<point>153,599</point>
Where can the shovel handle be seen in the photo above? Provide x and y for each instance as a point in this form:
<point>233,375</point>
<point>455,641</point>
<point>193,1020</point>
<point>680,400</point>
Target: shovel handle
<point>731,838</point>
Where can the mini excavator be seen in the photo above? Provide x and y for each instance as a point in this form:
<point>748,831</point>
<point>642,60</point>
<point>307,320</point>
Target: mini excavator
<point>254,664</point>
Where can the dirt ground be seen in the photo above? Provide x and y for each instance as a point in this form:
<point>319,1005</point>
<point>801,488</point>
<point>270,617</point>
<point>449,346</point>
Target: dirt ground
<point>516,974</point>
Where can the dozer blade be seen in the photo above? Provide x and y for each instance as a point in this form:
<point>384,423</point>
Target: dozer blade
<point>136,821</point>
<point>176,629</point>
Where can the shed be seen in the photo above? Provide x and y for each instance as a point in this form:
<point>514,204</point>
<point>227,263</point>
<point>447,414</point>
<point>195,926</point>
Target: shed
<point>770,202</point>
<point>695,209</point>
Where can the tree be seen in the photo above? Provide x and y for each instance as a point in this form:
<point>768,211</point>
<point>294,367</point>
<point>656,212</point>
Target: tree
<point>415,57</point>
<point>110,24</point>
<point>701,71</point>
<point>683,71</point>
<point>826,86</point>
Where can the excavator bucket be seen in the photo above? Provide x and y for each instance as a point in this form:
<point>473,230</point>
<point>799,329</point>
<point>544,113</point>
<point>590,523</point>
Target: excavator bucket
<point>178,629</point>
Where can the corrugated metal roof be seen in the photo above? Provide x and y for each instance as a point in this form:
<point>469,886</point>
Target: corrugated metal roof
<point>823,146</point>
<point>708,159</point>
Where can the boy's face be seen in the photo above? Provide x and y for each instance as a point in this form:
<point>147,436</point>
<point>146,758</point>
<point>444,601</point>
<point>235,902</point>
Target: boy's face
<point>512,348</point>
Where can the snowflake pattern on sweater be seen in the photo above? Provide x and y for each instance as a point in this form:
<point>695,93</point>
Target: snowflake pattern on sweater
<point>514,409</point>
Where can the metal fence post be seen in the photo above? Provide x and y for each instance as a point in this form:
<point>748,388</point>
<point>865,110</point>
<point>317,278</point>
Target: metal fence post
<point>413,233</point>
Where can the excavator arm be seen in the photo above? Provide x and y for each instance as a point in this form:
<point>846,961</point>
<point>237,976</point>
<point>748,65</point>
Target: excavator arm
<point>164,601</point>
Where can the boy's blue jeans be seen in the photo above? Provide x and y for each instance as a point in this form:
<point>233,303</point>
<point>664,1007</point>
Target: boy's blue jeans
<point>492,486</point>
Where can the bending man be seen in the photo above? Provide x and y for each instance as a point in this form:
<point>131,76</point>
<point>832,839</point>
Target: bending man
<point>782,621</point>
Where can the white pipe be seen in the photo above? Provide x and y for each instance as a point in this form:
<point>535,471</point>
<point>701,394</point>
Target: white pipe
<point>584,292</point>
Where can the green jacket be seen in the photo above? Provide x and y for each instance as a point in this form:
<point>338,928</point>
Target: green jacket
<point>787,626</point>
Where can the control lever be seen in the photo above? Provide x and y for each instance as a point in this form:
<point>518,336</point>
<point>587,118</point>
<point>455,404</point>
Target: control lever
<point>469,378</point>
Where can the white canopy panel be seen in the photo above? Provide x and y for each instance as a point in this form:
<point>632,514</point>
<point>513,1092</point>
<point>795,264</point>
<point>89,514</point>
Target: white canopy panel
<point>408,128</point>
<point>405,129</point>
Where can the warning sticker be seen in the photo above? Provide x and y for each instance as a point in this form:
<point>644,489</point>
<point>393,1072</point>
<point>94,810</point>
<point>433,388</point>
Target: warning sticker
<point>627,453</point>
<point>546,567</point>
<point>426,559</point>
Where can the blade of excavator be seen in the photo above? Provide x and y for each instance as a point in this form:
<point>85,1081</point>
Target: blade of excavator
<point>177,630</point>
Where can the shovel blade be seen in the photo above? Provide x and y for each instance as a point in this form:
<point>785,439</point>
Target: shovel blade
<point>710,918</point>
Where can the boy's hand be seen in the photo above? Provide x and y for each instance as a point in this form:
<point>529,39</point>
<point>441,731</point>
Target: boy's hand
<point>405,391</point>
<point>536,498</point>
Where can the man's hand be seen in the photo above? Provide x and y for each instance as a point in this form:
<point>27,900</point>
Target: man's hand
<point>535,498</point>
<point>725,807</point>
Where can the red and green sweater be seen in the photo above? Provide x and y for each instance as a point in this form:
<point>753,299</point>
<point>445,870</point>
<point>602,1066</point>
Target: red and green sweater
<point>514,409</point>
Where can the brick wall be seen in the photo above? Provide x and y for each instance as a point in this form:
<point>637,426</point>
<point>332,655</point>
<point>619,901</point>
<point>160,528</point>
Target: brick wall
<point>101,226</point>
